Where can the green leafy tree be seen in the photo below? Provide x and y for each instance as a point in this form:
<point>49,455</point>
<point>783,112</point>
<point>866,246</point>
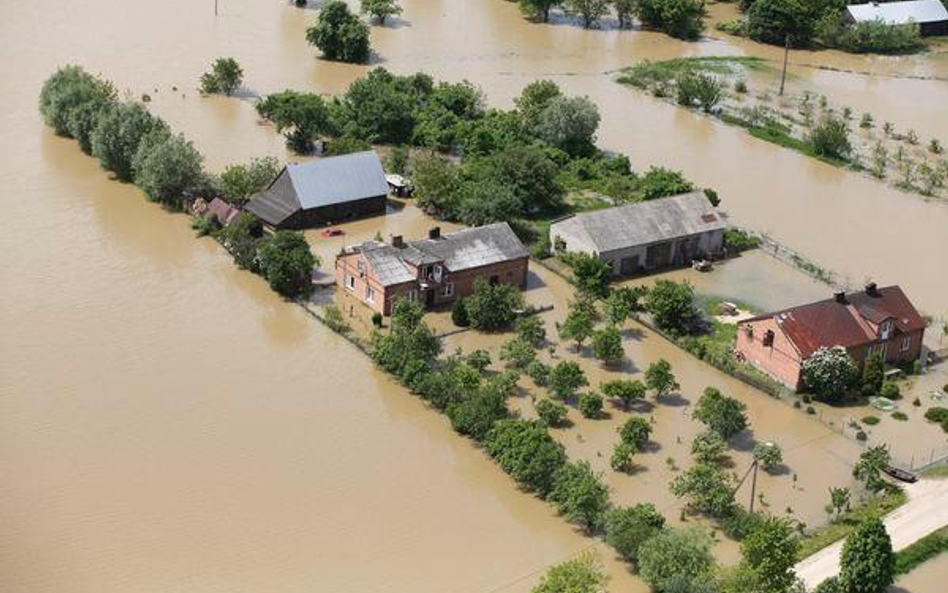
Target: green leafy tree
<point>168,169</point>
<point>65,97</point>
<point>478,360</point>
<point>829,372</point>
<point>225,76</point>
<point>867,564</point>
<point>769,455</point>
<point>708,488</point>
<point>708,447</point>
<point>382,107</point>
<point>624,390</point>
<point>242,238</point>
<point>339,34</point>
<point>475,415</point>
<point>873,374</point>
<point>698,87</point>
<point>671,305</point>
<point>635,432</point>
<point>589,11</point>
<point>830,137</point>
<point>871,462</point>
<point>607,345</point>
<point>570,124</point>
<point>539,372</point>
<point>627,528</point>
<point>780,21</point>
<point>566,378</point>
<point>118,134</point>
<point>683,19</point>
<point>622,302</point>
<point>659,182</point>
<point>660,379</point>
<point>625,10</point>
<point>526,451</point>
<point>239,182</point>
<point>839,500</point>
<point>436,183</point>
<point>380,9</point>
<point>287,263</point>
<point>590,404</point>
<point>722,414</point>
<point>552,413</point>
<point>517,353</point>
<point>491,307</point>
<point>675,554</point>
<point>301,117</point>
<point>531,330</point>
<point>771,550</point>
<point>534,99</point>
<point>621,460</point>
<point>538,9</point>
<point>590,274</point>
<point>579,323</point>
<point>580,495</point>
<point>580,575</point>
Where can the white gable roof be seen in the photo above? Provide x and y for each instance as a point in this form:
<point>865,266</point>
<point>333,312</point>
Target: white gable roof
<point>900,13</point>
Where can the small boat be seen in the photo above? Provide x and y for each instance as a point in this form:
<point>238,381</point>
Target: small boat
<point>901,474</point>
<point>333,232</point>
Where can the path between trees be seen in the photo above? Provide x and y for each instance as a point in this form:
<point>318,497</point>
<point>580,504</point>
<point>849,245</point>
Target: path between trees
<point>925,512</point>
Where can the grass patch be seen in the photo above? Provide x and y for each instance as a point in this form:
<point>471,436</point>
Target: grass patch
<point>939,471</point>
<point>647,74</point>
<point>811,543</point>
<point>901,416</point>
<point>924,549</point>
<point>870,420</point>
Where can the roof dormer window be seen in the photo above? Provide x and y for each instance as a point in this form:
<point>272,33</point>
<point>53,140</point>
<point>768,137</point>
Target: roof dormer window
<point>885,330</point>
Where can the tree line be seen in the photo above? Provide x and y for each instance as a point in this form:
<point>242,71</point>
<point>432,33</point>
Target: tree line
<point>683,19</point>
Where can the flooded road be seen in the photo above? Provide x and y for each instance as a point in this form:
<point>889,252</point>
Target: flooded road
<point>167,423</point>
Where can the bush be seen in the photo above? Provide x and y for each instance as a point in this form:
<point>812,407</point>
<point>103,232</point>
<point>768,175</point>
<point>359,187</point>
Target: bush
<point>659,182</point>
<point>339,34</point>
<point>736,240</point>
<point>829,372</point>
<point>224,77</point>
<point>873,374</point>
<point>938,415</point>
<point>580,495</point>
<point>69,91</point>
<point>878,37</point>
<point>741,523</point>
<point>116,138</point>
<point>168,169</point>
<point>459,313</point>
<point>287,263</point>
<point>628,528</point>
<point>769,455</point>
<point>890,390</point>
<point>870,420</point>
<point>527,452</point>
<point>539,372</point>
<point>493,307</point>
<point>698,87</point>
<point>898,415</point>
<point>530,328</point>
<point>621,460</point>
<point>517,353</point>
<point>380,9</point>
<point>590,405</point>
<point>830,138</point>
<point>580,575</point>
<point>867,563</point>
<point>551,413</point>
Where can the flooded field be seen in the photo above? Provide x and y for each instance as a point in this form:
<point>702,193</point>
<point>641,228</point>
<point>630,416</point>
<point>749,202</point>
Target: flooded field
<point>924,579</point>
<point>167,423</point>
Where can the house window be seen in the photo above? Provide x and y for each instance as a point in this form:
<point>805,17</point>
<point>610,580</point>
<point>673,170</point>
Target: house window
<point>360,265</point>
<point>769,337</point>
<point>906,343</point>
<point>350,282</point>
<point>369,294</point>
<point>885,330</point>
<point>411,295</point>
<point>448,290</point>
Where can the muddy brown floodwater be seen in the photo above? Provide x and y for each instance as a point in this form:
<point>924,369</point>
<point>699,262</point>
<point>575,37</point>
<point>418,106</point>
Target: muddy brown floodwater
<point>167,423</point>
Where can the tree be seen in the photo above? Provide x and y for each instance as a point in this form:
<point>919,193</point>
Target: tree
<point>590,10</point>
<point>628,528</point>
<point>830,137</point>
<point>659,182</point>
<point>621,460</point>
<point>118,134</point>
<point>607,345</point>
<point>299,116</point>
<point>683,19</point>
<point>225,76</point>
<point>436,183</point>
<point>538,9</point>
<point>475,415</point>
<point>534,98</point>
<point>578,325</point>
<point>624,390</point>
<point>708,488</point>
<point>829,372</point>
<point>700,87</point>
<point>635,432</point>
<point>590,404</point>
<point>287,263</point>
<point>769,455</point>
<point>622,302</point>
<point>871,462</point>
<point>565,378</point>
<point>539,372</point>
<point>382,107</point>
<point>569,123</point>
<point>493,307</point>
<point>771,550</point>
<point>339,34</point>
<point>660,379</point>
<point>671,305</point>
<point>867,564</point>
<point>478,360</point>
<point>839,500</point>
<point>239,182</point>
<point>526,451</point>
<point>531,330</point>
<point>777,21</point>
<point>517,353</point>
<point>673,554</point>
<point>580,495</point>
<point>168,168</point>
<point>590,274</point>
<point>380,9</point>
<point>241,238</point>
<point>581,575</point>
<point>708,447</point>
<point>873,375</point>
<point>722,414</point>
<point>71,94</point>
<point>625,9</point>
<point>551,413</point>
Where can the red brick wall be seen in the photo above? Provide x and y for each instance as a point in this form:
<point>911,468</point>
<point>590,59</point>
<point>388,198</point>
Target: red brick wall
<point>779,360</point>
<point>509,272</point>
<point>385,296</point>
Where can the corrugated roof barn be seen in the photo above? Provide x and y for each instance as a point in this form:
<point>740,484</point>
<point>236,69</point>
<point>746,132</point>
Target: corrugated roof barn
<point>930,15</point>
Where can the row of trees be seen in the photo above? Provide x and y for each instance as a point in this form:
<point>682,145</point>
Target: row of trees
<point>679,18</point>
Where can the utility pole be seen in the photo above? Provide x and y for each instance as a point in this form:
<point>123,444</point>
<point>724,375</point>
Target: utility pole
<point>786,53</point>
<point>215,7</point>
<point>753,486</point>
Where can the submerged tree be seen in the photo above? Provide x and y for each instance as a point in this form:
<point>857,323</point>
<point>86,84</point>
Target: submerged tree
<point>287,263</point>
<point>225,77</point>
<point>380,9</point>
<point>339,34</point>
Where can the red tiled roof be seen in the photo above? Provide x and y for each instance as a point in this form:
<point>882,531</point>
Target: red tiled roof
<point>222,210</point>
<point>831,323</point>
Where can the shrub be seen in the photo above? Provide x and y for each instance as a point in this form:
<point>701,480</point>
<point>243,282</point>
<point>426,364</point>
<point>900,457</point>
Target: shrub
<point>459,313</point>
<point>539,372</point>
<point>590,404</point>
<point>580,575</point>
<point>565,378</point>
<point>829,372</point>
<point>68,91</point>
<point>334,320</point>
<point>527,452</point>
<point>698,87</point>
<point>621,460</point>
<point>659,182</point>
<point>873,374</point>
<point>168,169</point>
<point>830,138</point>
<point>224,77</point>
<point>492,307</point>
<point>870,420</point>
<point>899,415</point>
<point>580,495</point>
<point>736,240</point>
<point>635,432</point>
<point>890,390</point>
<point>867,563</point>
<point>938,415</point>
<point>339,34</point>
<point>551,413</point>
<point>380,9</point>
<point>517,353</point>
<point>530,328</point>
<point>287,263</point>
<point>627,528</point>
<point>879,37</point>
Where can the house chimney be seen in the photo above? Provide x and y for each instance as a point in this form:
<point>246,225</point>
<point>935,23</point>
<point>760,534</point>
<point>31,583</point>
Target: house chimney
<point>398,242</point>
<point>840,297</point>
<point>871,289</point>
<point>434,232</point>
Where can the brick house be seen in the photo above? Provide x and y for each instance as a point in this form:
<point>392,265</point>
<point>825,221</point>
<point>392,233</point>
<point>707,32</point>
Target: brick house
<point>874,320</point>
<point>435,271</point>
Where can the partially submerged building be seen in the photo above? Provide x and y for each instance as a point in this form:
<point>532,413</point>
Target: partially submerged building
<point>875,320</point>
<point>930,15</point>
<point>644,236</point>
<point>434,271</point>
<point>323,191</point>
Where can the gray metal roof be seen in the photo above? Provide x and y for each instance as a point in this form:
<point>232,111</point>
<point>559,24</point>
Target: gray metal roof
<point>387,263</point>
<point>338,179</point>
<point>276,203</point>
<point>643,223</point>
<point>899,13</point>
<point>474,247</point>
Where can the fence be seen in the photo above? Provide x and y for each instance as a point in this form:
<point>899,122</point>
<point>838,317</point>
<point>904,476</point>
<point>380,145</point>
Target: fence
<point>779,251</point>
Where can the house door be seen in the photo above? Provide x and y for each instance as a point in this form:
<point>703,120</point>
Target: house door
<point>429,297</point>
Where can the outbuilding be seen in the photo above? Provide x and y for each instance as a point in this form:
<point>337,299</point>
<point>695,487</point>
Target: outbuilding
<point>323,191</point>
<point>930,15</point>
<point>644,236</point>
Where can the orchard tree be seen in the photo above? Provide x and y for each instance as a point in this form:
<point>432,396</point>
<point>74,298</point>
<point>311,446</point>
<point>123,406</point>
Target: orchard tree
<point>517,353</point>
<point>867,564</point>
<point>660,379</point>
<point>551,413</point>
<point>579,322</point>
<point>492,307</point>
<point>580,575</point>
<point>722,414</point>
<point>570,124</point>
<point>624,390</point>
<point>871,462</point>
<point>627,528</point>
<point>299,116</point>
<point>622,302</point>
<point>225,76</point>
<point>635,432</point>
<point>675,554</point>
<point>708,447</point>
<point>566,378</point>
<point>771,550</point>
<point>589,10</point>
<point>590,404</point>
<point>708,488</point>
<point>239,182</point>
<point>580,495</point>
<point>287,263</point>
<point>671,305</point>
<point>621,460</point>
<point>339,34</point>
<point>769,455</point>
<point>829,372</point>
<point>607,345</point>
<point>531,329</point>
<point>380,9</point>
